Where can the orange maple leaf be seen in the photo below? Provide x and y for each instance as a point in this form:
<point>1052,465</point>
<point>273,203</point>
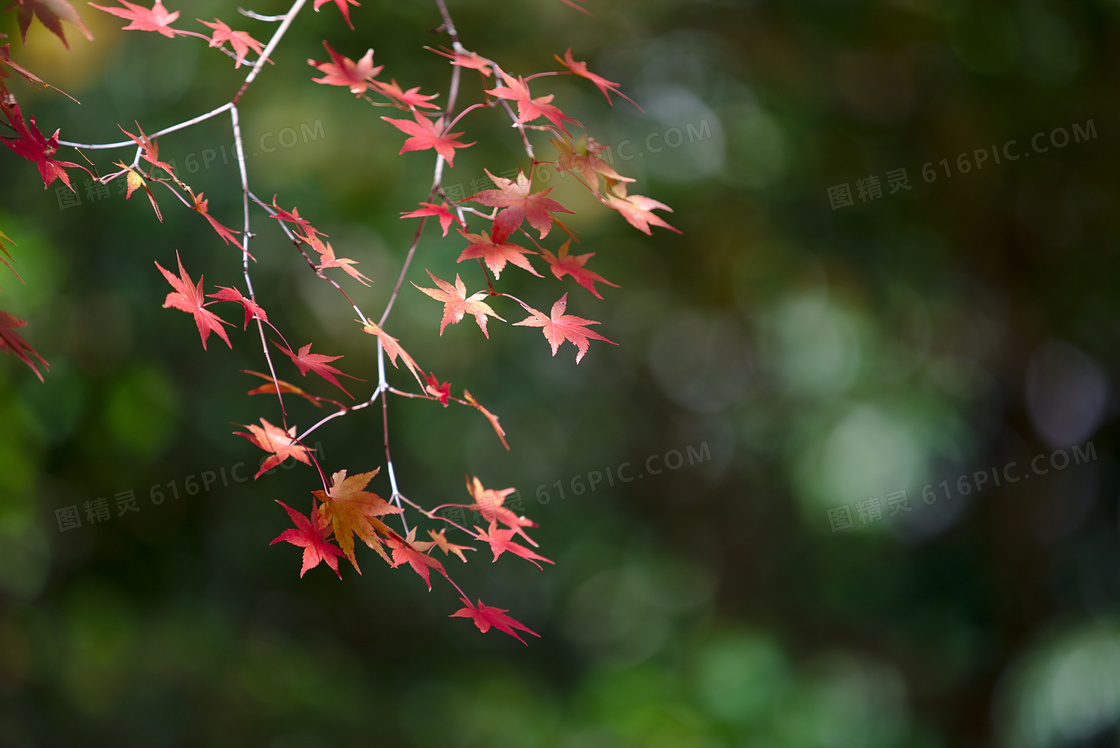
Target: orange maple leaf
<point>134,181</point>
<point>351,510</point>
<point>456,303</point>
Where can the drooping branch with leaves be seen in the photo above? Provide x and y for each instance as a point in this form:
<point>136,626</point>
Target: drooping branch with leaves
<point>503,226</point>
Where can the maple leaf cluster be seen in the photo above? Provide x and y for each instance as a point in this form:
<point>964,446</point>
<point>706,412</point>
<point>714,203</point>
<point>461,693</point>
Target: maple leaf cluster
<point>347,511</point>
<point>514,201</point>
<point>510,222</point>
<point>26,141</point>
<point>159,19</point>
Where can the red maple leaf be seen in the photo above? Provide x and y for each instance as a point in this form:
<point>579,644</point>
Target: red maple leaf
<point>252,309</point>
<point>638,210</point>
<point>573,265</point>
<point>528,108</point>
<point>406,550</point>
<point>580,8</point>
<point>293,216</point>
<point>485,616</point>
<point>31,145</point>
<point>502,540</point>
<point>328,260</point>
<point>241,41</point>
<point>456,303</point>
<point>496,254</point>
<point>604,85</point>
<point>488,502</point>
<point>411,98</point>
<point>559,327</point>
<point>466,59</point>
<point>427,134</point>
<point>307,361</point>
<point>275,440</point>
<point>12,342</point>
<point>432,386</point>
<point>342,71</point>
<point>188,298</point>
<point>155,18</point>
<point>4,251</point>
<point>50,13</point>
<point>201,205</point>
<point>518,203</point>
<point>343,5</point>
<point>310,535</point>
<point>149,149</point>
<point>430,209</point>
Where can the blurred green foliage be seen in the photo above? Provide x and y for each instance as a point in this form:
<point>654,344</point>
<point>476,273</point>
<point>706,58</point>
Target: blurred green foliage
<point>783,361</point>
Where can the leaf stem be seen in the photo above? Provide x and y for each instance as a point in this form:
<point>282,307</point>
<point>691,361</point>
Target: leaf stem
<point>290,16</point>
<point>131,143</point>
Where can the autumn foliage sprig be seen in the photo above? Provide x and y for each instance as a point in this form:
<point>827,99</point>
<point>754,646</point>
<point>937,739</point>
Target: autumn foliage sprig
<point>503,226</point>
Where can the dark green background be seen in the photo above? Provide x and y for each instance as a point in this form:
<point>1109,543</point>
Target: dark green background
<point>808,357</point>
